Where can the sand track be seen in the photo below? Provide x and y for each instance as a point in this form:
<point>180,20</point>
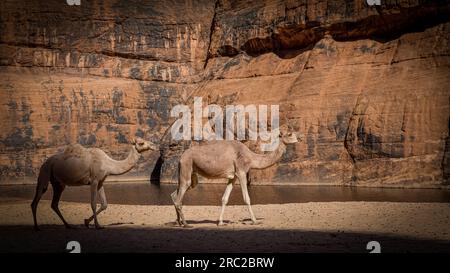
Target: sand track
<point>306,227</point>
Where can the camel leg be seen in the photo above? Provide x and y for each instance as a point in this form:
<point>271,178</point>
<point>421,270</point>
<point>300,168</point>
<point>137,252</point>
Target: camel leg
<point>243,182</point>
<point>225,198</point>
<point>58,188</point>
<point>184,182</point>
<point>174,197</point>
<point>104,205</point>
<point>41,188</point>
<point>178,202</point>
<point>94,192</point>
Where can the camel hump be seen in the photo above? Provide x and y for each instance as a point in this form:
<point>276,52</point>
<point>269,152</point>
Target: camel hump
<point>74,150</point>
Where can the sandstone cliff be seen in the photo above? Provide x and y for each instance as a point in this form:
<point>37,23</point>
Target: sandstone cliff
<point>368,86</point>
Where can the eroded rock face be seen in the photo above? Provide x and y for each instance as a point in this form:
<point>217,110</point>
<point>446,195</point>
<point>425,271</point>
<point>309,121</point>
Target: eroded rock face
<point>368,87</point>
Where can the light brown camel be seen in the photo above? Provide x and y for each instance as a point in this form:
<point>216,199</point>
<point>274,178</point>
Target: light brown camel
<point>79,166</point>
<point>224,159</point>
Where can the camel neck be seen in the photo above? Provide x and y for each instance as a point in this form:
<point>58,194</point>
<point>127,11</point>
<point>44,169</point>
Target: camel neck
<point>260,161</point>
<point>116,167</point>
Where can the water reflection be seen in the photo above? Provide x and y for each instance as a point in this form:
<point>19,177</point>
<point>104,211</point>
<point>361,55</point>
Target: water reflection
<point>211,194</point>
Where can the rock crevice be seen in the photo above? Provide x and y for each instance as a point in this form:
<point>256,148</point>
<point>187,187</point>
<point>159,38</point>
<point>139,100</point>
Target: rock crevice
<point>367,88</point>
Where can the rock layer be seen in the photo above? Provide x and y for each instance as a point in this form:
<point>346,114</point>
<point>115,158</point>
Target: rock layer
<point>368,87</point>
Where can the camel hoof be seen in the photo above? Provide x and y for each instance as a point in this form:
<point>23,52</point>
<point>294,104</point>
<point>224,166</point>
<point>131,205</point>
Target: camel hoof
<point>187,226</point>
<point>99,227</point>
<point>256,223</point>
<point>221,224</point>
<point>70,227</point>
<point>86,223</point>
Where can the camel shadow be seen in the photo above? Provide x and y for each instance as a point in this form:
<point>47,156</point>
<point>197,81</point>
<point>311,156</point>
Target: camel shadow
<point>249,220</point>
<point>120,224</point>
<point>206,221</point>
<point>246,221</point>
<point>77,226</point>
<point>45,227</point>
<point>197,222</point>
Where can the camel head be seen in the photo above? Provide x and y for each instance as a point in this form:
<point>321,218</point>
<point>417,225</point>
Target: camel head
<point>288,136</point>
<point>142,145</point>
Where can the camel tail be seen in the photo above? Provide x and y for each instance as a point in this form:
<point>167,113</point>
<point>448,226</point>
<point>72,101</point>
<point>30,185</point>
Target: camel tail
<point>179,176</point>
<point>194,180</point>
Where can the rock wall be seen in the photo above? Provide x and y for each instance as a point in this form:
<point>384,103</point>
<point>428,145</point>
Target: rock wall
<point>368,86</point>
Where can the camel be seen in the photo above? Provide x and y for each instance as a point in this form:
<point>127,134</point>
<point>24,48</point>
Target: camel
<point>224,159</point>
<point>79,166</point>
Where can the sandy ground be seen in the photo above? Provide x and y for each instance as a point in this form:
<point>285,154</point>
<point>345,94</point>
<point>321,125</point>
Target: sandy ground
<point>306,227</point>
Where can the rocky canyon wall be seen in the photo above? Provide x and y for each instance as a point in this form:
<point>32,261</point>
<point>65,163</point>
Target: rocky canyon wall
<point>367,86</point>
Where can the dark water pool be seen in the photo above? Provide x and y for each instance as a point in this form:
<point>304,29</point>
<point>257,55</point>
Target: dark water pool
<point>211,194</point>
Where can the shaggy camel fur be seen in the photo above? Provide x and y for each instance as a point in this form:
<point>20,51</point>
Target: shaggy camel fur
<point>223,159</point>
<point>79,166</point>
